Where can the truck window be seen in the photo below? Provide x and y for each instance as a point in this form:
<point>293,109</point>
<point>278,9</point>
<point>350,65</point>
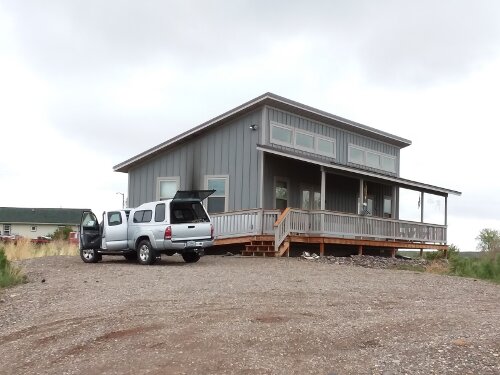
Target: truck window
<point>114,218</point>
<point>187,212</point>
<point>143,216</point>
<point>160,212</point>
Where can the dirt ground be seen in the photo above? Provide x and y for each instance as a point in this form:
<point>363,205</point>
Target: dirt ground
<point>233,315</point>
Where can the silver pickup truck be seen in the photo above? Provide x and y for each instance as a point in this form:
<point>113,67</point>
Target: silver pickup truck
<point>179,225</point>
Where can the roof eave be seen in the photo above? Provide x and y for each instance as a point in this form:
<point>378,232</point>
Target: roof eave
<point>267,98</point>
<point>398,180</point>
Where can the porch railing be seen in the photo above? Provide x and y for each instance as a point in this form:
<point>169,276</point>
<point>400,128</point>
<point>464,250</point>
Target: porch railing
<point>321,223</point>
<point>244,223</point>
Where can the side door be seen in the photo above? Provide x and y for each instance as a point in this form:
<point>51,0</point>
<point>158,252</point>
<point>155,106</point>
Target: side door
<point>90,232</point>
<point>115,230</point>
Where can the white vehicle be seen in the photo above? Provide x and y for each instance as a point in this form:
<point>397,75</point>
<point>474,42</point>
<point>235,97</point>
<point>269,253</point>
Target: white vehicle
<point>179,225</point>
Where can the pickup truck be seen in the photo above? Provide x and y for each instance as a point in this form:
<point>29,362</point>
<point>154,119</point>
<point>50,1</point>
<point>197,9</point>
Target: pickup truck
<point>179,225</point>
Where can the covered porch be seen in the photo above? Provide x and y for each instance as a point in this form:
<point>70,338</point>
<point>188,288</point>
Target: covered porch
<point>309,201</point>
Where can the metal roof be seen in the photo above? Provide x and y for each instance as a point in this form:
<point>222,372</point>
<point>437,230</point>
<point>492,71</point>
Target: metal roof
<point>402,182</point>
<point>277,101</point>
<point>58,216</point>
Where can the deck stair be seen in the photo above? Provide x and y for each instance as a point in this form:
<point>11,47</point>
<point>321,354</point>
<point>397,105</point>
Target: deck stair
<point>264,248</point>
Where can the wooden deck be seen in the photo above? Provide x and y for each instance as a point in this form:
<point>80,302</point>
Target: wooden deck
<point>263,245</point>
<point>271,233</point>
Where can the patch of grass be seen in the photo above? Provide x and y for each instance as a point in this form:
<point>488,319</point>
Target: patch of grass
<point>438,266</point>
<point>24,249</point>
<point>9,275</point>
<point>486,267</point>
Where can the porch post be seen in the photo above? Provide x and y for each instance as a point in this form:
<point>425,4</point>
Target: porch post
<point>421,206</point>
<point>446,210</point>
<point>323,198</point>
<point>394,202</point>
<point>360,203</point>
<point>323,189</point>
<point>446,219</point>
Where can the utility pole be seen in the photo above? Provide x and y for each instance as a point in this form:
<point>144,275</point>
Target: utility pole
<point>123,199</point>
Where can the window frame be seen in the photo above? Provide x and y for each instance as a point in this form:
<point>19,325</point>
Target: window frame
<point>279,141</point>
<point>304,148</point>
<point>384,213</point>
<point>365,151</point>
<point>113,224</point>
<point>7,229</point>
<point>159,180</point>
<point>328,139</point>
<point>287,181</point>
<point>34,228</point>
<point>224,177</point>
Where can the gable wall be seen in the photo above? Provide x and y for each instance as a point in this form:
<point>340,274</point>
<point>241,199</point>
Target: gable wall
<point>229,149</point>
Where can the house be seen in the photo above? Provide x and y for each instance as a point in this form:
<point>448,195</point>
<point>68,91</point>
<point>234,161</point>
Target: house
<point>36,222</point>
<point>286,173</point>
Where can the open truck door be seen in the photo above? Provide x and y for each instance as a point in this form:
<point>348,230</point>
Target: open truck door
<point>90,232</point>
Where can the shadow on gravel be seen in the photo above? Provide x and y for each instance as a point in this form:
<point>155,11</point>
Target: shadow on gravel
<point>159,263</point>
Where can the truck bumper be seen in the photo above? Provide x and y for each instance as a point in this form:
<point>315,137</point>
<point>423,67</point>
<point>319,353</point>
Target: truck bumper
<point>187,246</point>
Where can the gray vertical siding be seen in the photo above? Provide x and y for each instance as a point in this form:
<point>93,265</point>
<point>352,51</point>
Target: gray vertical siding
<point>229,149</point>
<point>343,138</point>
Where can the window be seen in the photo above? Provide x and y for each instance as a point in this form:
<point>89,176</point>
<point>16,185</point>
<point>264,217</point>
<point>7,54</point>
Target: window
<point>326,147</point>
<point>310,198</point>
<point>33,228</point>
<point>280,194</point>
<point>6,229</point>
<point>304,141</point>
<point>356,155</point>
<point>160,212</point>
<point>114,218</point>
<point>167,187</point>
<point>281,135</point>
<point>300,139</point>
<point>387,207</point>
<point>372,159</point>
<point>217,202</point>
<point>388,164</point>
<point>370,205</point>
<point>187,212</point>
<point>143,216</point>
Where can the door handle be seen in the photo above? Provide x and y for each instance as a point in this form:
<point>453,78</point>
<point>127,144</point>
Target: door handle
<point>190,226</point>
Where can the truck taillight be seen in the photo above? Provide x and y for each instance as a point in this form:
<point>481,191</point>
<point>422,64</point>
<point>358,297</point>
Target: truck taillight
<point>211,231</point>
<point>168,233</point>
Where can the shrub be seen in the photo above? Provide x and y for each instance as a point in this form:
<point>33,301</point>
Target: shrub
<point>9,275</point>
<point>485,267</point>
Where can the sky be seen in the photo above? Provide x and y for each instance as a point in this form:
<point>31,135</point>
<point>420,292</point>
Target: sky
<point>85,85</point>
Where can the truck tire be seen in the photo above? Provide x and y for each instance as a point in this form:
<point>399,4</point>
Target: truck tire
<point>90,256</point>
<point>145,253</point>
<point>191,257</point>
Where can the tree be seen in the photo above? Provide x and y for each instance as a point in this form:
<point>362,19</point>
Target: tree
<point>489,240</point>
<point>61,233</point>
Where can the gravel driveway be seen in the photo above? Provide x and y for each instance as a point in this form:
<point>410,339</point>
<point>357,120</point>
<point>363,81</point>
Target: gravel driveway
<point>233,315</point>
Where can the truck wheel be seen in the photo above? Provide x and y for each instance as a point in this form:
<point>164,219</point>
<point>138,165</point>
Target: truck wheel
<point>90,255</point>
<point>131,257</point>
<point>190,257</point>
<point>145,253</point>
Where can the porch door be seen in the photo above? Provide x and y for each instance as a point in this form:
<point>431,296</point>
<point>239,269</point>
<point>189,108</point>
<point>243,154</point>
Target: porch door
<point>280,193</point>
<point>310,198</point>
